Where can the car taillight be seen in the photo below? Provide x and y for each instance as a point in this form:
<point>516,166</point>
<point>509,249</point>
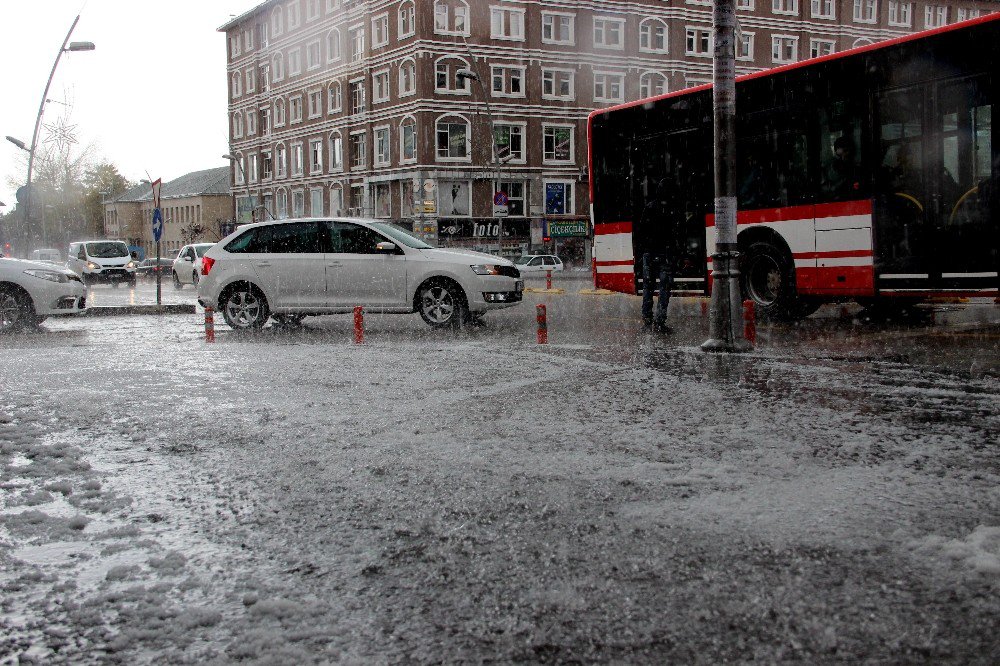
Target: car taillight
<point>206,265</point>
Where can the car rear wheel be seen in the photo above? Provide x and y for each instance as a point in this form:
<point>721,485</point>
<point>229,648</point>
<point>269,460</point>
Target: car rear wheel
<point>16,310</point>
<point>177,280</point>
<point>441,303</point>
<point>244,307</point>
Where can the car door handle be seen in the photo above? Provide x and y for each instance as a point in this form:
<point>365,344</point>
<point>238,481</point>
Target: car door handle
<point>265,264</point>
<point>333,264</point>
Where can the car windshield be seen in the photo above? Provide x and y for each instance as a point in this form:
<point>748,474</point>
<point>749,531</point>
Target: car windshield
<point>399,235</point>
<point>107,250</point>
<point>522,260</point>
<point>203,248</point>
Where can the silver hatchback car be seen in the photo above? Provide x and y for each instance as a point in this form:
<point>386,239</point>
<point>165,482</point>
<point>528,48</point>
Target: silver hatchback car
<point>299,267</point>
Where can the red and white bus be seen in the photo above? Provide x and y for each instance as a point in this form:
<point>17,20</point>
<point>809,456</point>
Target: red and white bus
<point>868,175</point>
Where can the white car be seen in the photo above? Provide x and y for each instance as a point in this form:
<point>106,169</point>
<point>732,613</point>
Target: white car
<point>538,263</point>
<point>294,268</point>
<point>30,291</point>
<point>187,265</point>
<point>102,261</point>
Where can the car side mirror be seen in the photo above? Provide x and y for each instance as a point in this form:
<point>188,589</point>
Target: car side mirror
<point>385,247</point>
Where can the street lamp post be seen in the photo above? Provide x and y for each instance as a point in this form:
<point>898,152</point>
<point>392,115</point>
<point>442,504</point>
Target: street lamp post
<point>66,46</point>
<point>243,174</point>
<point>464,74</point>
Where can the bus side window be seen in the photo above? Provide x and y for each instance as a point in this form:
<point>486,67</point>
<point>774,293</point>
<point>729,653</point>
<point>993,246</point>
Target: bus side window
<point>771,171</point>
<point>841,173</point>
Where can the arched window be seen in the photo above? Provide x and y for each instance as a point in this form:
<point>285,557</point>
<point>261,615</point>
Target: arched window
<point>407,19</point>
<point>333,50</point>
<point>335,102</point>
<point>653,36</point>
<point>451,17</point>
<point>277,22</point>
<point>407,77</point>
<point>453,144</point>
<point>336,151</point>
<point>237,85</point>
<point>279,113</point>
<point>652,84</point>
<point>280,161</point>
<point>408,139</point>
<point>446,77</point>
<point>861,42</point>
<point>336,199</point>
<point>281,203</point>
<point>278,67</point>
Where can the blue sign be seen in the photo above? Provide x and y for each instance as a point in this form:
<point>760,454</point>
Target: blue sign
<point>500,199</point>
<point>157,224</point>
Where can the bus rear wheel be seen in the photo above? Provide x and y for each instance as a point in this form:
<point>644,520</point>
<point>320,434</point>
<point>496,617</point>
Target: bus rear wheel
<point>768,279</point>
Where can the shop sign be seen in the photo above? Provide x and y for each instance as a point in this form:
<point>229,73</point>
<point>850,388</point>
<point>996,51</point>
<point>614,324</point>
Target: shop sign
<point>566,228</point>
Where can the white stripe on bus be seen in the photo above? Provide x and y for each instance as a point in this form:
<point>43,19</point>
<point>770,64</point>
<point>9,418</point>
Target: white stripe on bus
<point>968,275</point>
<point>904,276</point>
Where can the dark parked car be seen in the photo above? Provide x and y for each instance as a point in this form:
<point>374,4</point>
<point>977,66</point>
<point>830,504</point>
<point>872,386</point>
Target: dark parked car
<point>148,268</point>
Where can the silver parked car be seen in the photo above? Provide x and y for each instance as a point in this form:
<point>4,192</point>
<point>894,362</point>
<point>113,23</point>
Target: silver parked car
<point>294,268</point>
<point>30,291</point>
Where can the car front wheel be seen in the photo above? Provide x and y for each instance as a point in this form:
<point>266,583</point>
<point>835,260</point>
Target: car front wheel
<point>441,303</point>
<point>16,310</point>
<point>177,281</point>
<point>244,308</point>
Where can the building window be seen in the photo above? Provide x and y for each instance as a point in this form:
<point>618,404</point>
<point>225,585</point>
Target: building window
<point>316,202</point>
<point>265,78</point>
<point>315,103</point>
<point>277,22</point>
<point>358,96</point>
<point>293,15</point>
<point>380,86</point>
<point>279,113</point>
<point>609,33</point>
<point>652,84</point>
<point>237,84</point>
<point>865,11</point>
<point>359,149</point>
<point>252,167</point>
<point>295,62</point>
<point>266,165</point>
<point>251,122</point>
<point>558,198</point>
<point>237,125</point>
<point>332,5</point>
<point>745,5</point>
<point>336,200</point>
<point>785,6</point>
<point>333,45</point>
<point>297,161</point>
<point>312,9</point>
<point>698,42</point>
<point>821,47</point>
<point>515,191</point>
<point>824,9</point>
<point>336,152</point>
<point>609,87</point>
<point>408,140</point>
<point>298,203</point>
<point>281,204</point>
<point>454,198</point>
<point>964,14</point>
<point>446,76</point>
<point>784,48</point>
<point>251,80</point>
<point>507,81</point>
<point>507,23</point>
<point>315,156</point>
<point>335,98</point>
<point>265,121</point>
<point>278,67</point>
<point>234,46</point>
<point>380,30</point>
<point>557,143</point>
<point>558,83</point>
<point>653,36</point>
<point>744,46</point>
<point>451,17</point>
<point>900,13</point>
<point>935,16</point>
<point>558,28</point>
<point>382,155</point>
<point>453,139</point>
<point>281,157</point>
<point>263,30</point>
<point>407,78</point>
<point>357,35</point>
<point>407,25</point>
<point>383,203</point>
<point>508,142</point>
<point>295,109</point>
<point>313,54</point>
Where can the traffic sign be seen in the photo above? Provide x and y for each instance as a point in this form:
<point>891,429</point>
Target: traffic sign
<point>157,224</point>
<point>500,199</point>
<point>500,211</point>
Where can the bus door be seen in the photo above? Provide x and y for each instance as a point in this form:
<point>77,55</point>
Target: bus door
<point>932,194</point>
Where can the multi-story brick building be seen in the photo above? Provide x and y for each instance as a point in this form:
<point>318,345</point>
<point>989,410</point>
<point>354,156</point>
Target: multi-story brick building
<point>197,207</point>
<point>383,107</point>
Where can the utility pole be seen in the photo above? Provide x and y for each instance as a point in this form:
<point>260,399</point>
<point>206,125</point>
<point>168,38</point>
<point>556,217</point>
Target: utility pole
<point>725,325</point>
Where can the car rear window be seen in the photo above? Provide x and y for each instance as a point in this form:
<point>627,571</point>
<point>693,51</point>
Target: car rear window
<point>299,237</point>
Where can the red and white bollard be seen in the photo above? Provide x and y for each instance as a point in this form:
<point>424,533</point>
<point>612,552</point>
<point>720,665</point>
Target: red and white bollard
<point>209,325</point>
<point>543,325</point>
<point>750,322</point>
<point>548,279</point>
<point>704,307</point>
<point>593,269</point>
<point>359,325</point>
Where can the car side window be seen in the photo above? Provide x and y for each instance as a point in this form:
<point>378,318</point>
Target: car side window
<point>245,243</point>
<point>301,237</point>
<point>537,261</point>
<point>83,252</point>
<point>548,261</point>
<point>348,238</point>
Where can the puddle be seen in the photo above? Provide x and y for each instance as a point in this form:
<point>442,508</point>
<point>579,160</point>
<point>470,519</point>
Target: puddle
<point>91,569</point>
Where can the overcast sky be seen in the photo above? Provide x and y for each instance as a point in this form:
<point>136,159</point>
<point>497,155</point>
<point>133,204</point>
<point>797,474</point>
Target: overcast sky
<point>152,97</point>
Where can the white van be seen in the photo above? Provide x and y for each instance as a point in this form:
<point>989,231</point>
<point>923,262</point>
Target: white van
<point>47,254</point>
<point>102,261</point>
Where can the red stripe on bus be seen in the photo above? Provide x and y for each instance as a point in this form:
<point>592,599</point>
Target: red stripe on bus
<point>944,293</point>
<point>606,228</point>
<point>794,213</point>
<point>620,282</point>
<point>626,262</point>
<point>832,254</point>
<point>836,281</point>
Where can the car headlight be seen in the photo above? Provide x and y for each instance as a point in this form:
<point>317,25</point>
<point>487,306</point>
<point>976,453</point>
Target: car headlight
<point>486,269</point>
<point>51,276</point>
<point>92,266</point>
<point>130,264</point>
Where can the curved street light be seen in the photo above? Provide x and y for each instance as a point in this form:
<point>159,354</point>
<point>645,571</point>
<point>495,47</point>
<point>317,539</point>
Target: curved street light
<point>243,174</point>
<point>67,46</point>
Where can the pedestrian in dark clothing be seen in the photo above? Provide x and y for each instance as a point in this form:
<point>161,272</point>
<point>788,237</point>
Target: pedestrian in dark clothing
<point>656,244</point>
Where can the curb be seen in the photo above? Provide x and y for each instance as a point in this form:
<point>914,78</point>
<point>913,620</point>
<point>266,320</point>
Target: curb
<point>597,292</point>
<point>117,310</point>
<point>535,290</point>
